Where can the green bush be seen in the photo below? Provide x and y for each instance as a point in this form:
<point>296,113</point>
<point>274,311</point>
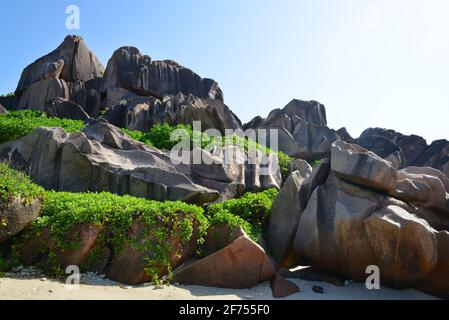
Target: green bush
<point>61,211</point>
<point>18,124</point>
<point>254,208</point>
<point>159,136</point>
<point>285,164</point>
<point>15,184</point>
<point>225,217</point>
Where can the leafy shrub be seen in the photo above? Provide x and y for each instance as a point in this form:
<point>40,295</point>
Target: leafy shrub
<point>159,136</point>
<point>7,95</point>
<point>15,184</point>
<point>61,211</point>
<point>18,124</point>
<point>285,163</point>
<point>225,217</point>
<point>254,208</point>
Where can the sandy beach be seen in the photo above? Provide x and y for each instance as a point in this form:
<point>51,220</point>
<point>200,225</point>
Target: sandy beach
<point>94,287</point>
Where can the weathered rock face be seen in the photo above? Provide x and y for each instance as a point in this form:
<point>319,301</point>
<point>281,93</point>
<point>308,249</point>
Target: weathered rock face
<point>383,148</point>
<point>436,156</point>
<point>131,70</point>
<point>411,146</point>
<point>303,131</point>
<point>70,72</point>
<point>426,187</point>
<point>66,109</point>
<point>242,264</point>
<point>346,228</point>
<point>366,213</point>
<point>16,215</point>
<point>284,219</point>
<point>287,210</point>
<point>142,113</point>
<point>3,110</point>
<point>358,165</point>
<point>128,266</point>
<point>101,158</point>
<point>40,93</point>
<point>231,171</point>
<point>437,281</point>
<point>302,166</point>
<point>406,150</point>
<point>71,61</point>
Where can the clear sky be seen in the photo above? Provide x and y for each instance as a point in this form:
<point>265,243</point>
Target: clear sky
<point>370,62</point>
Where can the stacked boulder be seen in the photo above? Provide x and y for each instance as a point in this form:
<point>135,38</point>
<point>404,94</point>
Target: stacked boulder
<point>302,130</point>
<point>70,82</point>
<point>140,92</point>
<point>406,150</point>
<point>69,73</point>
<point>141,113</point>
<point>365,212</point>
<point>133,92</point>
<point>101,157</point>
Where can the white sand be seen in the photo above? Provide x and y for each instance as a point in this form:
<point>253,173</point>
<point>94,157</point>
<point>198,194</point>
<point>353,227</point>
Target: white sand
<point>96,288</point>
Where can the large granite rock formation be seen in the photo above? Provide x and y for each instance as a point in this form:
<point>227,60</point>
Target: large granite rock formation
<point>346,228</point>
<point>141,113</point>
<point>62,108</point>
<point>436,156</point>
<point>70,72</point>
<point>138,73</point>
<point>71,61</point>
<point>368,213</point>
<point>302,129</point>
<point>287,210</point>
<point>406,150</point>
<point>101,158</point>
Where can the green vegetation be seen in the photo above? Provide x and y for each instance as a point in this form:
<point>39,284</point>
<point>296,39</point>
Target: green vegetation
<point>159,136</point>
<point>14,184</point>
<point>225,217</point>
<point>161,221</point>
<point>253,208</point>
<point>285,165</point>
<point>18,124</point>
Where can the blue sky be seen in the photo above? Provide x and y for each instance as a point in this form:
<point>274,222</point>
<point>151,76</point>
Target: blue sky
<point>372,63</point>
